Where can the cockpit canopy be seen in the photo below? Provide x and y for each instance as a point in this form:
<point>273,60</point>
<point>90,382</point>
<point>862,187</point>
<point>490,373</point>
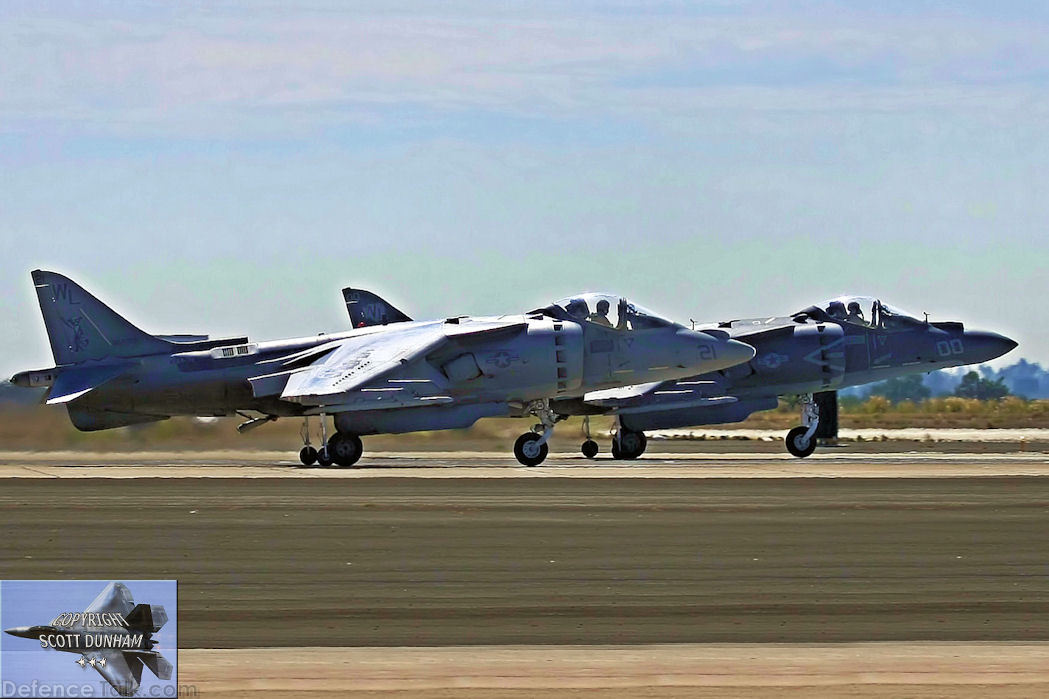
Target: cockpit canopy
<point>607,310</point>
<point>861,310</point>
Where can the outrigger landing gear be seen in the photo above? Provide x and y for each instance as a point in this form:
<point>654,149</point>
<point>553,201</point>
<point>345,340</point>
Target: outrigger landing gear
<point>801,441</point>
<point>307,455</point>
<point>531,447</point>
<point>589,447</point>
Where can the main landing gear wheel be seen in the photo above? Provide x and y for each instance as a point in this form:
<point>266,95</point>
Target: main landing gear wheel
<point>589,449</point>
<point>628,444</point>
<point>798,445</point>
<point>324,457</point>
<point>308,455</point>
<point>529,451</point>
<point>345,449</point>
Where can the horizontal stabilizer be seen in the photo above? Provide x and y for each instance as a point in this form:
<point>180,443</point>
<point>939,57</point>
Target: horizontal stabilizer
<point>157,664</point>
<point>74,382</point>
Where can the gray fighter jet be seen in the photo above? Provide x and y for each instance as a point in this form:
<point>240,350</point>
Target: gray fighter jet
<point>113,635</point>
<point>844,342</point>
<point>401,376</point>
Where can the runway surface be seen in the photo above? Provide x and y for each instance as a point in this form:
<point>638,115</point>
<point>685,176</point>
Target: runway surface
<point>459,561</point>
<point>826,463</point>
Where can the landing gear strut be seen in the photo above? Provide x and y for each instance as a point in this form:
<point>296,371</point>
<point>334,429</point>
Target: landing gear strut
<point>307,455</point>
<point>323,454</point>
<point>801,441</point>
<point>531,447</point>
<point>589,447</point>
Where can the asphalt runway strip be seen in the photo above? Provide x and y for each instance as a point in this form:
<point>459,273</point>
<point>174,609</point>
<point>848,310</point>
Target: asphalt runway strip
<point>545,561</point>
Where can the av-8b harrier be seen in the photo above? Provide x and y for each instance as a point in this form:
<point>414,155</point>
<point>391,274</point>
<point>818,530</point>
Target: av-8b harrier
<point>399,377</point>
<point>848,341</point>
<point>113,635</point>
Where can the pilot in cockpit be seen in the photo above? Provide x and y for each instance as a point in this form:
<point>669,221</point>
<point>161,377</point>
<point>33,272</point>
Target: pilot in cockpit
<point>600,316</point>
<point>855,313</point>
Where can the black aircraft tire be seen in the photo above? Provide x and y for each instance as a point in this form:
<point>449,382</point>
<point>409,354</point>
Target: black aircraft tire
<point>533,457</point>
<point>629,445</point>
<point>324,457</point>
<point>308,455</point>
<point>792,446</point>
<point>345,449</point>
<point>589,449</point>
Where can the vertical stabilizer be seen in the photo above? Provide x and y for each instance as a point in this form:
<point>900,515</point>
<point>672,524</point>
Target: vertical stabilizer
<point>82,328</point>
<point>367,309</point>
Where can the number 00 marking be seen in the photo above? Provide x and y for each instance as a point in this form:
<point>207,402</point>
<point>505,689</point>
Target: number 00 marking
<point>947,348</point>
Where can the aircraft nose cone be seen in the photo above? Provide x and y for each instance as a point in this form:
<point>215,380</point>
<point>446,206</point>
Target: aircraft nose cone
<point>983,346</point>
<point>20,631</point>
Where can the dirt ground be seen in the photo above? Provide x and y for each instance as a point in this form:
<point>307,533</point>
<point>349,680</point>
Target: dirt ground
<point>735,671</point>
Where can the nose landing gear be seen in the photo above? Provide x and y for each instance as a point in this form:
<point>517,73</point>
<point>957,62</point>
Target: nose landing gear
<point>801,441</point>
<point>531,448</point>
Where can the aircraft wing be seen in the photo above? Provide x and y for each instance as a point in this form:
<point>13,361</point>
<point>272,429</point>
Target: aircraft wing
<point>122,671</point>
<point>115,597</point>
<point>664,395</point>
<point>387,369</point>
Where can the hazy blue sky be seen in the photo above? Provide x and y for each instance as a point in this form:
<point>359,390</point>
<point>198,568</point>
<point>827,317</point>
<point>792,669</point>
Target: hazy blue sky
<point>228,167</point>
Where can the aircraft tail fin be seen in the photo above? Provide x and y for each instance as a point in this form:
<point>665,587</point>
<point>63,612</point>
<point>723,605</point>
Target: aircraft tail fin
<point>147,617</point>
<point>81,328</point>
<point>367,309</point>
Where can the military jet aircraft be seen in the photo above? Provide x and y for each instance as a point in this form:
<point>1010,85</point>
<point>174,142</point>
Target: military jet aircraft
<point>844,342</point>
<point>401,376</point>
<point>113,635</point>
